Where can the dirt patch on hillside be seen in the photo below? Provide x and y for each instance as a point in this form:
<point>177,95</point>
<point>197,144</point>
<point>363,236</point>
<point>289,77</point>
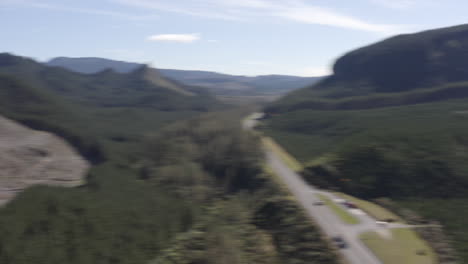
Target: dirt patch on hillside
<point>29,157</point>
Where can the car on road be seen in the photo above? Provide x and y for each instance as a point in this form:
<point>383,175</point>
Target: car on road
<point>339,242</point>
<point>318,203</point>
<point>350,205</point>
<point>382,223</point>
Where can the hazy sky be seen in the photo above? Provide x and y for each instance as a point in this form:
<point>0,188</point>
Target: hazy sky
<point>248,37</point>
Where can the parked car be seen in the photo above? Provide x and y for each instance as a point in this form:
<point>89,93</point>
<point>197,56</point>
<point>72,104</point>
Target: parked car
<point>318,203</point>
<point>382,223</point>
<point>339,242</point>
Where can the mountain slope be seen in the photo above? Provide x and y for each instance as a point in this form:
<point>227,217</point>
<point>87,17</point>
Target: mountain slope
<point>407,62</point>
<point>99,114</point>
<point>217,83</point>
<point>402,64</point>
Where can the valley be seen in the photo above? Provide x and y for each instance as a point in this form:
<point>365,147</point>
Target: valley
<point>171,175</point>
<point>108,161</point>
<point>225,86</point>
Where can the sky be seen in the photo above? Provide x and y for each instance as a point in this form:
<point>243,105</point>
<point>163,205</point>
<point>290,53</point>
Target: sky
<point>242,37</point>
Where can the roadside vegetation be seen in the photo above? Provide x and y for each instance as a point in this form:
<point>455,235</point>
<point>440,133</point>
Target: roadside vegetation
<point>289,160</point>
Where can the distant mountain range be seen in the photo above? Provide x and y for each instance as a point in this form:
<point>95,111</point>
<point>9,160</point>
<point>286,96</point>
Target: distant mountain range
<point>142,87</point>
<point>217,83</point>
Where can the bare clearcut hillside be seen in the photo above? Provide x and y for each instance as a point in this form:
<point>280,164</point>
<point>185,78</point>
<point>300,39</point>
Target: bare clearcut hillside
<point>29,157</point>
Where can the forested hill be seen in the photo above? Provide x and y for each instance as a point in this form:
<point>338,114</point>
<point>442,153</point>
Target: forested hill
<point>400,69</point>
<point>409,62</point>
<point>143,87</point>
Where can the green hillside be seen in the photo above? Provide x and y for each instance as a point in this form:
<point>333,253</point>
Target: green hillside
<point>412,138</point>
<point>391,122</point>
<point>414,154</point>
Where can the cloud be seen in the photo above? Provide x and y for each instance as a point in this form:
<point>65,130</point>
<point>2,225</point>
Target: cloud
<point>181,38</point>
<point>322,16</point>
<point>89,11</point>
<point>202,8</point>
<point>299,11</point>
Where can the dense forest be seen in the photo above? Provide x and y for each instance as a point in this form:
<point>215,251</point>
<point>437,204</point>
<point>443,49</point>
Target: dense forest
<point>196,193</point>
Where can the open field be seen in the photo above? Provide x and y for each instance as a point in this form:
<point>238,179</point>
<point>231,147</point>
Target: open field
<point>405,247</point>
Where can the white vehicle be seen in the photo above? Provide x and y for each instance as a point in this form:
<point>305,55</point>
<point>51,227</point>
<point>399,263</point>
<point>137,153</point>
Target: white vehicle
<point>382,223</point>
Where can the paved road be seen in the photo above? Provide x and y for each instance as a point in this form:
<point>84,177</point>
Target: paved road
<point>356,252</point>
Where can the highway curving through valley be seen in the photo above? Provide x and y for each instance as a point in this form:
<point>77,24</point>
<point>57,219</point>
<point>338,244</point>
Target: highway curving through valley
<point>355,251</point>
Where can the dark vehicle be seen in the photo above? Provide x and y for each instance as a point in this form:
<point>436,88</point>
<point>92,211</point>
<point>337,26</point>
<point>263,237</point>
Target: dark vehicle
<point>350,205</point>
<point>339,242</point>
<point>318,203</point>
